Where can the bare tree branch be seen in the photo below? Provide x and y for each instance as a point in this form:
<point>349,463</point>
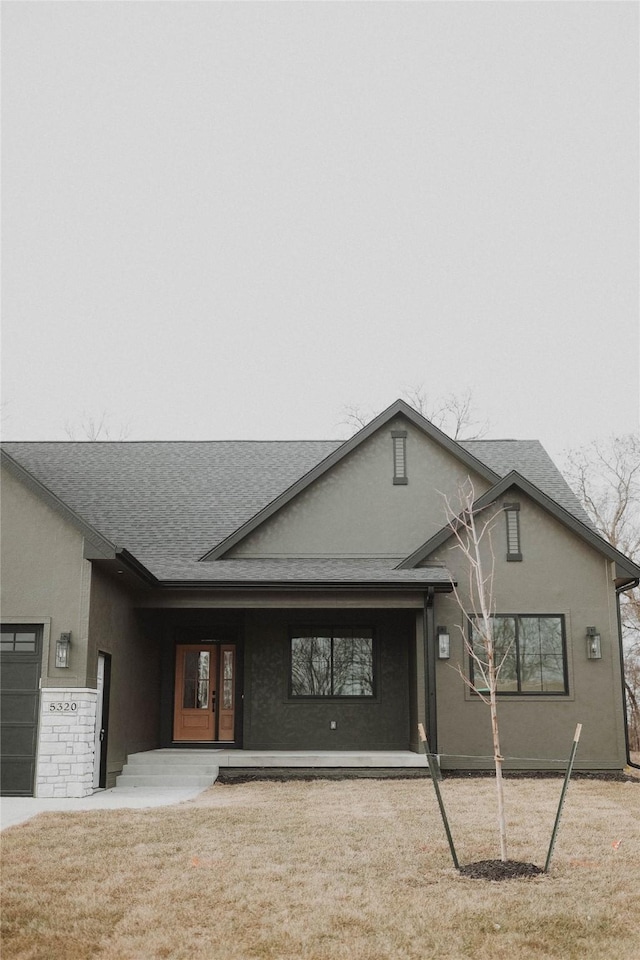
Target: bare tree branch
<point>96,429</point>
<point>453,413</point>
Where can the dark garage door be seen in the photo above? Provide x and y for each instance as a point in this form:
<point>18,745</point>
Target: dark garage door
<point>20,659</point>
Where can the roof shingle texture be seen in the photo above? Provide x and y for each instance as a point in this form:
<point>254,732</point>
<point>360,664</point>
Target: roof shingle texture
<point>170,502</point>
<point>330,571</point>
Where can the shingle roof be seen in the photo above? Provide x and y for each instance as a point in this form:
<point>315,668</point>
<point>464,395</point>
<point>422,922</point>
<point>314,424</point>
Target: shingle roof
<point>169,502</point>
<point>298,571</point>
<point>530,459</point>
<point>177,497</point>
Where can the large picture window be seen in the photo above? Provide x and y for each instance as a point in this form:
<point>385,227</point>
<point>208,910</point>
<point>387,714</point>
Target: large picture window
<point>533,652</point>
<point>332,662</point>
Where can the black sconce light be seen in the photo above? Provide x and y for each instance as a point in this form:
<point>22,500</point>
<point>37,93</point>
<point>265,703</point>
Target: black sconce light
<point>63,646</point>
<point>594,645</point>
<point>444,644</point>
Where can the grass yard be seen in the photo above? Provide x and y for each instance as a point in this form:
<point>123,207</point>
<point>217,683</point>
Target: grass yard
<point>324,870</point>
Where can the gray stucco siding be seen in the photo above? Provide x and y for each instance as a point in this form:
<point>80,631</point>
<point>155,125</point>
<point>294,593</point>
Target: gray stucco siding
<point>118,629</point>
<point>560,574</point>
<point>356,510</point>
<point>45,577</point>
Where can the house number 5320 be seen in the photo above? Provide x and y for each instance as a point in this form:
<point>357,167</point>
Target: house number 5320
<point>64,706</point>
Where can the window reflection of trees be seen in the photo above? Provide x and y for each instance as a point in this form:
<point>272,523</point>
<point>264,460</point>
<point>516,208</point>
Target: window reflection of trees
<point>196,680</point>
<point>227,680</point>
<point>531,650</point>
<point>335,663</point>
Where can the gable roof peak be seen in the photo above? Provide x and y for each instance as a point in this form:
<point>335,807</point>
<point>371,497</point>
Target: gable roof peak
<point>398,407</point>
<point>624,565</point>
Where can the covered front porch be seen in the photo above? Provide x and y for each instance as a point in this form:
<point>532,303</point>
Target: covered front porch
<point>264,683</point>
<point>301,669</point>
<point>305,679</point>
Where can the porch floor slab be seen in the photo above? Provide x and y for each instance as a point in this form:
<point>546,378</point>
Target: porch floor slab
<point>296,758</point>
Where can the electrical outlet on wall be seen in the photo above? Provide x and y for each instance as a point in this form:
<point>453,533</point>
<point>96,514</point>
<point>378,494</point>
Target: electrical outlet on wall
<point>333,724</point>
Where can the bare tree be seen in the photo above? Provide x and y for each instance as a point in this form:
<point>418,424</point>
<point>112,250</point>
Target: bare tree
<point>453,413</point>
<point>355,417</point>
<point>606,477</point>
<point>96,428</point>
<point>487,644</point>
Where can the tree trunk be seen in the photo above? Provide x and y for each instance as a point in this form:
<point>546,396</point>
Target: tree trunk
<point>502,826</point>
<point>490,649</point>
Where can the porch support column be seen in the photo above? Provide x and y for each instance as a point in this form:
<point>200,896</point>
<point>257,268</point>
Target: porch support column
<point>429,626</point>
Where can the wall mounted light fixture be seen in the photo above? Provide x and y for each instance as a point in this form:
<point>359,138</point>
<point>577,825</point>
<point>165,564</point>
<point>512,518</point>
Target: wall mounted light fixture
<point>63,646</point>
<point>594,644</point>
<point>444,644</point>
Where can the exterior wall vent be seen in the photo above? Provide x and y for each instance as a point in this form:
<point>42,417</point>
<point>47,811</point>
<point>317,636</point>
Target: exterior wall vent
<point>512,513</point>
<point>399,440</point>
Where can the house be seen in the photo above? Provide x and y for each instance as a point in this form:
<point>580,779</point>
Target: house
<point>295,596</point>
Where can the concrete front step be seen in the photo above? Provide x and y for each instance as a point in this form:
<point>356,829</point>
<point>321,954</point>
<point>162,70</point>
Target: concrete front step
<point>169,755</point>
<point>355,759</point>
<point>169,769</point>
<point>166,781</point>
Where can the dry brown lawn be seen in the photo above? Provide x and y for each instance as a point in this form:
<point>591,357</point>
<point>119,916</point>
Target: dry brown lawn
<point>327,870</point>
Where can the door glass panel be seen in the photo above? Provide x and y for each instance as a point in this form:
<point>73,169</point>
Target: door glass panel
<point>196,680</point>
<point>227,680</point>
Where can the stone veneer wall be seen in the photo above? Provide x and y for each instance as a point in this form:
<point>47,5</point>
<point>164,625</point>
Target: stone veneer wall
<point>66,742</point>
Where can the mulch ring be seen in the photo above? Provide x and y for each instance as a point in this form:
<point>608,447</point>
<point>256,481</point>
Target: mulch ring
<point>500,870</point>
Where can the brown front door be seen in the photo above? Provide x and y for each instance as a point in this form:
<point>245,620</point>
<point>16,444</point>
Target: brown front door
<point>205,692</point>
<point>195,698</point>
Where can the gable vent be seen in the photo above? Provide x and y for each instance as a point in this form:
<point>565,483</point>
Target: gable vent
<point>399,440</point>
<point>512,513</point>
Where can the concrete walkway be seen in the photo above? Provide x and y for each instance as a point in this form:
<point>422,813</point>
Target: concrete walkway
<point>18,809</point>
<point>15,810</point>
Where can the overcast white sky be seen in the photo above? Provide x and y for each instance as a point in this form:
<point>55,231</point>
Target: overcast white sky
<point>230,220</point>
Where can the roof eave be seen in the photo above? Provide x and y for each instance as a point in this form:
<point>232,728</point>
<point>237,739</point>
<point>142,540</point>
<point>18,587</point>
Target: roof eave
<point>306,585</point>
<point>132,564</point>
